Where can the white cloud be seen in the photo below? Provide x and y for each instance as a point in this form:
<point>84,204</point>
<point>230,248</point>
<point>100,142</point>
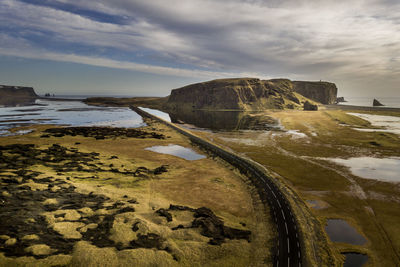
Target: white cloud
<point>298,39</point>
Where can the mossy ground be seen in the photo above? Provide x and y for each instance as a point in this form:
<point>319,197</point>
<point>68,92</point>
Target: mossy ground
<point>372,207</point>
<point>201,183</point>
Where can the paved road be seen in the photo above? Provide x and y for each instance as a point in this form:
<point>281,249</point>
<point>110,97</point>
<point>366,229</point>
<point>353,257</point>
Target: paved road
<point>287,250</point>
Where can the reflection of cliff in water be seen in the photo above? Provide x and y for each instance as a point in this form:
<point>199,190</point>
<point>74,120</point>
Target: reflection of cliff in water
<point>16,101</point>
<point>224,120</point>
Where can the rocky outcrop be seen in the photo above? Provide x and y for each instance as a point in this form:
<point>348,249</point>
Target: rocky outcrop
<point>17,91</point>
<point>340,99</point>
<point>250,94</point>
<point>323,92</point>
<point>376,103</point>
<point>309,106</point>
<point>16,95</point>
<point>235,94</point>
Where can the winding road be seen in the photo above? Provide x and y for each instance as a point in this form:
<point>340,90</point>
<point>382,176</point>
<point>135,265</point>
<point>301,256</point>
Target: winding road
<point>287,250</point>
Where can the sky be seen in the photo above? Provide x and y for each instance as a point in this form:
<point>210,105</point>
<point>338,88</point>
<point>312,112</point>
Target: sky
<point>147,48</point>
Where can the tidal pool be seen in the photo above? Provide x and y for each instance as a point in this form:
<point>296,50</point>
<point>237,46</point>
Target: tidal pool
<point>390,124</point>
<point>354,259</point>
<point>382,169</point>
<point>176,150</point>
<point>340,231</point>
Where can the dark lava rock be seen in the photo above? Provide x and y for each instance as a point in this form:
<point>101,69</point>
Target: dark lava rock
<point>180,226</point>
<point>141,172</point>
<point>340,99</point>
<point>376,103</point>
<point>165,213</point>
<point>126,209</point>
<point>181,208</point>
<point>102,132</point>
<point>160,170</point>
<point>150,240</point>
<point>211,226</point>
<point>309,106</point>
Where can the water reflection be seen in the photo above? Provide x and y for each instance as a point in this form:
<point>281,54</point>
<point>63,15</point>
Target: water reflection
<point>16,101</point>
<point>340,231</point>
<point>224,120</point>
<point>176,150</point>
<point>354,259</point>
<point>73,113</point>
<point>383,169</point>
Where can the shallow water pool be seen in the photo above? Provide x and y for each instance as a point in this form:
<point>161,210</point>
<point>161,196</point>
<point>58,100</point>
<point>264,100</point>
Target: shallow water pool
<point>176,150</point>
<point>74,113</point>
<point>390,124</point>
<point>382,169</point>
<point>340,231</point>
<point>354,259</point>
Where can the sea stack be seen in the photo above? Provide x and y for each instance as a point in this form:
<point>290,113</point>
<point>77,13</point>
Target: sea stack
<point>376,103</point>
<point>340,99</point>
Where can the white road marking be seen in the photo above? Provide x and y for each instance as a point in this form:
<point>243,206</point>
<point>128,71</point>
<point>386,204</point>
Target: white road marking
<point>283,215</point>
<point>298,253</point>
<point>288,261</point>
<point>287,232</point>
<point>279,203</point>
<point>288,245</point>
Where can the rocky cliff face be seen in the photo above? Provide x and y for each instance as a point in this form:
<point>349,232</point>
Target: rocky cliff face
<point>237,94</point>
<point>323,92</point>
<point>17,92</point>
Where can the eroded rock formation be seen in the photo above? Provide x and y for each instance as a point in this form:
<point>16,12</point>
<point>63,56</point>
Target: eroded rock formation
<point>323,92</point>
<point>17,91</point>
<point>235,94</point>
<point>250,94</point>
<point>13,95</point>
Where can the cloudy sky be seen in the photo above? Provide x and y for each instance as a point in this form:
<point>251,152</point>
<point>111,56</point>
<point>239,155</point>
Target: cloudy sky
<point>143,47</point>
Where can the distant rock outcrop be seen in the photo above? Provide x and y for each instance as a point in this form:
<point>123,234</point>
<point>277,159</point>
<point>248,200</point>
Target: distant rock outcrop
<point>16,95</point>
<point>17,92</point>
<point>340,99</point>
<point>376,103</point>
<point>323,92</point>
<point>309,106</point>
<point>236,94</point>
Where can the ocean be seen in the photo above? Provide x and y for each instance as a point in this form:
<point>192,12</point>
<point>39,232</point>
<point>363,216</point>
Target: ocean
<point>390,102</point>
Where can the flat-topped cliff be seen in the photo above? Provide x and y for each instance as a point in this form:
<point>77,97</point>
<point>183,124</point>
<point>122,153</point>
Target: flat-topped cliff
<point>17,92</point>
<point>323,92</point>
<point>241,94</point>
